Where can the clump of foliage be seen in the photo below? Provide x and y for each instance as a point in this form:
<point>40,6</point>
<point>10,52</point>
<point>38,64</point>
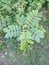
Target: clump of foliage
<point>21,30</point>
<point>20,20</point>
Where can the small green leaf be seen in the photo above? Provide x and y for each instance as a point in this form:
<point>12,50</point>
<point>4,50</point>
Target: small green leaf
<point>7,35</point>
<point>37,39</point>
<point>6,30</point>
<point>41,35</point>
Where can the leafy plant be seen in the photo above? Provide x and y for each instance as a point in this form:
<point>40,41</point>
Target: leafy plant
<point>20,25</point>
<point>27,30</point>
<point>18,18</point>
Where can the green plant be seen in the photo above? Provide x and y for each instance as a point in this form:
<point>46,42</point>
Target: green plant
<point>21,30</point>
<point>26,30</point>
